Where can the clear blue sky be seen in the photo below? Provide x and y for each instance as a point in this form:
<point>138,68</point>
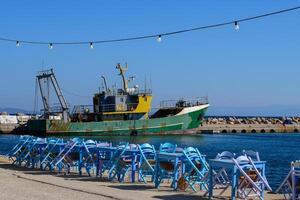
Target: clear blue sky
<point>256,66</point>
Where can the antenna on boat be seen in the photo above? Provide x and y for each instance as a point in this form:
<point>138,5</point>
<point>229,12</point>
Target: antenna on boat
<point>150,84</point>
<point>145,82</point>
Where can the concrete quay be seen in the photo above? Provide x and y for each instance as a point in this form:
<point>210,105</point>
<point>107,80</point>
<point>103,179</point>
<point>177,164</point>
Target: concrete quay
<point>12,123</point>
<point>27,183</point>
<point>8,128</point>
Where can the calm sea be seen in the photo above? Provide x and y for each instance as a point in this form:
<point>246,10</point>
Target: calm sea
<point>277,149</point>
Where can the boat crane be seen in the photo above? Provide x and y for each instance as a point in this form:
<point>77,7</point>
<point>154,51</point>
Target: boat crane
<point>44,78</point>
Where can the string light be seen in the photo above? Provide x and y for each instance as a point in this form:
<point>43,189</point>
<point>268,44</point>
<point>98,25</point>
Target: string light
<point>157,36</point>
<point>91,45</point>
<point>236,25</point>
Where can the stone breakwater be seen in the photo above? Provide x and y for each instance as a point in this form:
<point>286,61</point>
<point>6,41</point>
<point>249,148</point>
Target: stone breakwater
<point>250,125</point>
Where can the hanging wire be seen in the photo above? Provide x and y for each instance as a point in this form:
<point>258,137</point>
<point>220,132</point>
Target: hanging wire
<point>158,35</point>
<point>74,94</point>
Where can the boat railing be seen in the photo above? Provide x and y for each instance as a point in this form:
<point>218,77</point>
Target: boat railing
<point>132,91</point>
<point>56,108</point>
<point>118,107</point>
<point>181,103</point>
<point>82,109</point>
<point>145,91</point>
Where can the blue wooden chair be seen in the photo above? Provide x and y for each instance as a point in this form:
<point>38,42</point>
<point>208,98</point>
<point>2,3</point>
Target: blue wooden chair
<point>167,147</point>
<point>77,154</point>
<point>146,162</point>
<point>18,149</point>
<point>116,166</point>
<point>251,182</point>
<point>221,178</point>
<point>166,169</point>
<point>54,146</point>
<point>24,157</point>
<point>290,187</point>
<point>32,157</point>
<point>23,140</point>
<point>67,157</point>
<point>87,159</point>
<point>196,170</point>
<point>104,154</point>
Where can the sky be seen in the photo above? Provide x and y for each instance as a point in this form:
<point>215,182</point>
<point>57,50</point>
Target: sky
<point>252,70</point>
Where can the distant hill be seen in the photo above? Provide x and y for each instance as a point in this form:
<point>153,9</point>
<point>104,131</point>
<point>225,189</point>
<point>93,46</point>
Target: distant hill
<point>15,110</point>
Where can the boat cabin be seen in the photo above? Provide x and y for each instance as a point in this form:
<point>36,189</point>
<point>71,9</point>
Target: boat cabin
<point>127,103</point>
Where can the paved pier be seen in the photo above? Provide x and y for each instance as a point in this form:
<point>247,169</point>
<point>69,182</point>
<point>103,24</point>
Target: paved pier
<point>33,184</point>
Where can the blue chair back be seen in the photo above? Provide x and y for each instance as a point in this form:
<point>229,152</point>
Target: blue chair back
<point>253,154</point>
<point>194,156</point>
<point>167,147</point>
<point>225,155</point>
<point>196,169</point>
<point>147,149</point>
<point>147,161</point>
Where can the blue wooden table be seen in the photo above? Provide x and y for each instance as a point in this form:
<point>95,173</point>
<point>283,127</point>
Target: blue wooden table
<point>229,165</point>
<point>133,153</point>
<point>173,158</point>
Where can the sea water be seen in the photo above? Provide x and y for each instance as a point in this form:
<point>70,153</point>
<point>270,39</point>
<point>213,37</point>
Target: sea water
<point>279,150</point>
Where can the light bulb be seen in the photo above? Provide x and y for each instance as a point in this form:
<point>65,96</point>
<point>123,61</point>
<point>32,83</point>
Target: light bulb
<point>236,25</point>
<point>18,44</point>
<point>50,46</point>
<point>159,38</point>
<point>91,45</point>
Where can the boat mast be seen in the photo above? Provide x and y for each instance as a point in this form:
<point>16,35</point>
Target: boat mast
<point>122,73</point>
<point>105,85</point>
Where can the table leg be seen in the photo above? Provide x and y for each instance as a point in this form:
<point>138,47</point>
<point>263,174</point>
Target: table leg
<point>182,167</point>
<point>263,187</point>
<point>175,174</point>
<point>59,164</point>
<point>80,162</point>
<point>156,173</point>
<point>133,167</point>
<point>234,183</point>
<point>211,184</point>
<point>97,164</point>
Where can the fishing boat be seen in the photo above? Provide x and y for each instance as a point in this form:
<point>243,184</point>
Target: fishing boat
<point>124,111</point>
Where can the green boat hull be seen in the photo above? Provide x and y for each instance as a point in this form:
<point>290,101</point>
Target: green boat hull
<point>165,125</point>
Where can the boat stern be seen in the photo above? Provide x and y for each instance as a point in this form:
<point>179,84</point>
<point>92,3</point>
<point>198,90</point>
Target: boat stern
<point>193,115</point>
